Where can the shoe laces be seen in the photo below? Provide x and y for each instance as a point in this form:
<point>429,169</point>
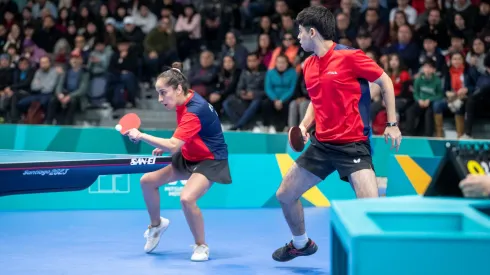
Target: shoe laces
<point>199,249</point>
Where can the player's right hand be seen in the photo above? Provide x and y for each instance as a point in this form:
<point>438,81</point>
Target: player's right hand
<point>157,152</point>
<point>304,132</point>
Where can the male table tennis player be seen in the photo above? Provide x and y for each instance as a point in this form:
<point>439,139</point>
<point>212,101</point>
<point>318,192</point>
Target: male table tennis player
<point>199,155</point>
<point>337,79</point>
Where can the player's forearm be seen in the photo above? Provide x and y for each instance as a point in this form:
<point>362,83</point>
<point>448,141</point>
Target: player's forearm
<point>165,144</point>
<point>388,93</point>
<point>309,117</point>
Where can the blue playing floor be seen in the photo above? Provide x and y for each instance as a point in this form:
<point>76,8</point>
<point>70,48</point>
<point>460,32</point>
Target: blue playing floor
<point>111,242</point>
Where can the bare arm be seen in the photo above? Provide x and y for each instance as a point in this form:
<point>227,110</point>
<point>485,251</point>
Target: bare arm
<point>388,93</point>
<point>188,127</point>
<point>375,91</point>
<point>309,118</point>
<point>171,145</point>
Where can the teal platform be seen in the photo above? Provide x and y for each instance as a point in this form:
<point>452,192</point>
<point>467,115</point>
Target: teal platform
<point>410,235</point>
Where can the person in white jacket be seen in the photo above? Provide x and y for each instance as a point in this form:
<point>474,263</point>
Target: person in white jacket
<point>143,17</point>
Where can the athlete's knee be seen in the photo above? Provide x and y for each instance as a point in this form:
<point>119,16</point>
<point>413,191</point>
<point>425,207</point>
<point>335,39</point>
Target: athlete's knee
<point>187,200</point>
<point>286,194</point>
<point>146,180</point>
<point>296,181</point>
<point>281,195</point>
<point>155,179</point>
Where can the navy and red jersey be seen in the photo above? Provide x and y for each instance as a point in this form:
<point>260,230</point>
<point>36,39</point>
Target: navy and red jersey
<point>199,127</point>
<point>338,84</point>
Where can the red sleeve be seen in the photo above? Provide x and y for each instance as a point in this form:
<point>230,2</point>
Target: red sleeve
<point>188,127</point>
<point>364,67</point>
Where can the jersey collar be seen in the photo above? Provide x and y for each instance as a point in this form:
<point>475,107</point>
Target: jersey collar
<point>187,100</point>
<point>330,51</point>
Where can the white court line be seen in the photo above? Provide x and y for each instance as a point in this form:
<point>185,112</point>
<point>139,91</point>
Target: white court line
<point>114,183</point>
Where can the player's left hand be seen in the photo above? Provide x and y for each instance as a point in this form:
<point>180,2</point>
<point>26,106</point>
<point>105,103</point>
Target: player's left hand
<point>475,186</point>
<point>278,105</point>
<point>395,135</point>
<point>157,152</point>
<point>133,134</point>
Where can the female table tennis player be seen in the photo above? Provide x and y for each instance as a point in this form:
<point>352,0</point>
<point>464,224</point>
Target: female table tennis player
<point>199,155</point>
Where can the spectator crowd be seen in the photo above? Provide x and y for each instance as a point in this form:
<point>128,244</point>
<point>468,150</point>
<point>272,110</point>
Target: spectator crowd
<point>60,57</point>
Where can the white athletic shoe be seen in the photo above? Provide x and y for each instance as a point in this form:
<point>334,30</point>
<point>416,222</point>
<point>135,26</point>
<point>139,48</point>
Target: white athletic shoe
<point>201,253</point>
<point>152,234</point>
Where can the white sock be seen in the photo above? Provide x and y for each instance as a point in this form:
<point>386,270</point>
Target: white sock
<point>300,241</point>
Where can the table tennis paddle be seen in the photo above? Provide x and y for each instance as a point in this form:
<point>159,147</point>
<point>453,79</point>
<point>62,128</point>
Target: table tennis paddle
<point>296,140</point>
<point>128,122</point>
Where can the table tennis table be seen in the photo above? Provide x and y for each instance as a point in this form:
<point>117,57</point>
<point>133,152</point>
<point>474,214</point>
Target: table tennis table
<point>25,172</point>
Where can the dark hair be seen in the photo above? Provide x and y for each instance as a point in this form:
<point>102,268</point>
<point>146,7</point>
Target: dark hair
<point>430,62</point>
<point>460,14</point>
<point>225,78</point>
<point>288,14</point>
<point>434,9</point>
<point>177,65</point>
<point>45,57</point>
<point>223,71</point>
<point>457,53</point>
<point>174,77</point>
<point>320,18</point>
<point>373,9</point>
<point>403,14</point>
<point>482,40</point>
<point>253,54</point>
<point>283,48</point>
<point>194,12</point>
<point>457,34</point>
<point>451,54</point>
<point>271,46</point>
<point>401,64</point>
<point>430,37</point>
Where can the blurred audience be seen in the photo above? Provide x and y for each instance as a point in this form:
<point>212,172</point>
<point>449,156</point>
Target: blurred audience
<point>243,106</point>
<point>59,58</point>
<point>71,86</point>
<point>280,84</point>
<point>427,89</point>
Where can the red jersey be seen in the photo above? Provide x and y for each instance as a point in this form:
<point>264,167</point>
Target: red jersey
<point>199,127</point>
<point>338,84</point>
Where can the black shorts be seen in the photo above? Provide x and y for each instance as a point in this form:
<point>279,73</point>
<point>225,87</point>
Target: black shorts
<point>214,170</point>
<point>322,159</point>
